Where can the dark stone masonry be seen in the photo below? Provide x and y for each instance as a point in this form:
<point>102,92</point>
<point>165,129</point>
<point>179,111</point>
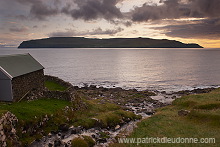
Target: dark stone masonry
<point>40,93</point>
<point>58,80</point>
<point>21,85</point>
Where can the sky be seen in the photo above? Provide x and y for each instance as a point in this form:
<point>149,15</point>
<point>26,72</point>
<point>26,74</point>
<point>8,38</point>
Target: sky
<point>188,21</point>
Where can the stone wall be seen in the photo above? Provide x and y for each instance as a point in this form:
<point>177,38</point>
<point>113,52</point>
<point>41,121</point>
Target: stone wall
<point>8,135</point>
<point>25,83</point>
<point>62,95</point>
<point>45,93</point>
<point>65,95</point>
<point>58,80</point>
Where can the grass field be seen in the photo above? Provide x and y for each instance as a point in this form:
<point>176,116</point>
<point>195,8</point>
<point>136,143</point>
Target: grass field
<point>203,121</point>
<point>28,110</point>
<point>53,86</point>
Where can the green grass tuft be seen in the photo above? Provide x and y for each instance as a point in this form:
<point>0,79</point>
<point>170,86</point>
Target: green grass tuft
<point>53,86</point>
<point>89,141</point>
<point>2,112</point>
<point>208,106</point>
<point>27,111</point>
<point>79,142</point>
<point>101,115</point>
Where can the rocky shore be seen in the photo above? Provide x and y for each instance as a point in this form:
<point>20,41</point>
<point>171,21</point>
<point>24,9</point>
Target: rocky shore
<point>141,103</point>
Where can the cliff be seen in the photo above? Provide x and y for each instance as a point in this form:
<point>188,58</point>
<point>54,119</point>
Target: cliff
<point>81,42</point>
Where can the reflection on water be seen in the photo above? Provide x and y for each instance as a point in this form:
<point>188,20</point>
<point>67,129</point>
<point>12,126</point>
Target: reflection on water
<point>161,69</point>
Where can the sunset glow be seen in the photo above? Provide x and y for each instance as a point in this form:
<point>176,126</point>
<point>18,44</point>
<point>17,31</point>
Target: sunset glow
<point>191,21</point>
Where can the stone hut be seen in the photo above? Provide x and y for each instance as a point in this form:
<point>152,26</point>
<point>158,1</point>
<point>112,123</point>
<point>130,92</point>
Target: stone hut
<point>19,74</point>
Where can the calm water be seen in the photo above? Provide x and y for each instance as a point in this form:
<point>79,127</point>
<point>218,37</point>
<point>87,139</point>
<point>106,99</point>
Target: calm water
<point>160,69</point>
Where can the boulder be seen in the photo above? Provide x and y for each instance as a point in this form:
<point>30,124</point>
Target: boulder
<point>64,127</point>
<point>102,140</point>
<point>183,112</point>
<point>117,127</point>
<point>77,130</point>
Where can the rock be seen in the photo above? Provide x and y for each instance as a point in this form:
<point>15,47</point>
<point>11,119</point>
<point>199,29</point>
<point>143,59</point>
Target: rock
<point>76,130</point>
<point>184,92</point>
<point>37,140</point>
<point>64,127</point>
<point>136,104</point>
<point>63,136</point>
<point>146,111</point>
<point>1,127</point>
<point>50,135</point>
<point>205,90</point>
<point>92,87</point>
<point>50,145</point>
<point>54,132</point>
<point>3,138</point>
<point>7,129</point>
<point>149,113</point>
<point>158,104</point>
<point>102,140</point>
<point>59,134</point>
<point>57,143</point>
<point>163,92</point>
<point>183,112</point>
<point>117,127</point>
<point>94,136</point>
<point>1,133</point>
<point>173,97</point>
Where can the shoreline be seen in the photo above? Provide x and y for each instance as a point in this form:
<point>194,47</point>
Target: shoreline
<point>168,89</point>
<point>140,103</point>
<point>146,108</point>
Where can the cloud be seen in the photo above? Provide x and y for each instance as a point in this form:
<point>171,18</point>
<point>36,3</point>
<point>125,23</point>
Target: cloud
<point>208,10</point>
<point>126,23</point>
<point>97,31</point>
<point>147,12</point>
<point>205,8</point>
<point>69,33</point>
<point>200,29</point>
<point>170,9</point>
<point>18,29</point>
<point>93,9</point>
<point>107,9</point>
<point>39,9</point>
<point>21,17</point>
<point>77,9</point>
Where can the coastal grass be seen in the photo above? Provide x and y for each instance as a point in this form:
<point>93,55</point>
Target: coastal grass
<point>104,115</point>
<point>30,113</point>
<point>29,110</point>
<point>79,142</point>
<point>2,112</point>
<point>203,121</point>
<point>53,86</point>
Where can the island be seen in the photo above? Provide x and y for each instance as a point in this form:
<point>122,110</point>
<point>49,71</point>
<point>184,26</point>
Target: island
<point>82,42</point>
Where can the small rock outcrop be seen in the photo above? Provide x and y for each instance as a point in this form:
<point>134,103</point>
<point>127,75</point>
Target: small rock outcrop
<point>183,112</point>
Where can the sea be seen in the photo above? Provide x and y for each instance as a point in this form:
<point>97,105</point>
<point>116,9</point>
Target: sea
<point>134,68</point>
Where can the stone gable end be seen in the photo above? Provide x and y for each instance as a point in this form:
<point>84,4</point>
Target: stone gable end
<point>21,85</point>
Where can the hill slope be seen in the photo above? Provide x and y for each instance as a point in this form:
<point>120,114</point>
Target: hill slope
<point>81,42</point>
